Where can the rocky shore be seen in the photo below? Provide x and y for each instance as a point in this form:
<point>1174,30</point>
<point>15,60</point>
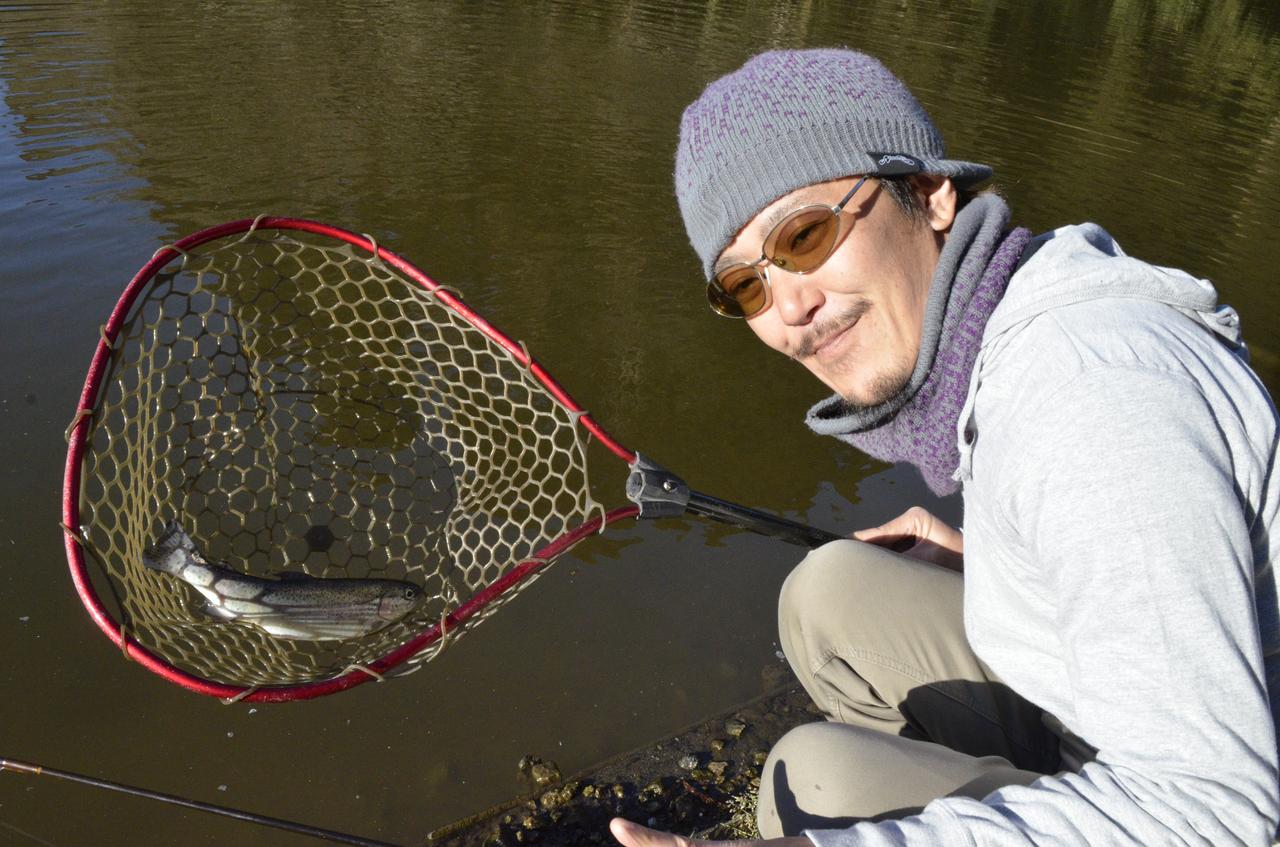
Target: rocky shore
<point>700,782</point>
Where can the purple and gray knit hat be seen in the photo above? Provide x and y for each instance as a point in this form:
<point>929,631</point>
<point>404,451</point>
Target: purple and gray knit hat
<point>791,118</point>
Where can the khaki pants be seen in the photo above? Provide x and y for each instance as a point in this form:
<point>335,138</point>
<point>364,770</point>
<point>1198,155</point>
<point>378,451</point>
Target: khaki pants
<point>878,641</point>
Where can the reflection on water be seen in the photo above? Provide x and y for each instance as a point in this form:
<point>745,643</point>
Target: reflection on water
<point>523,153</point>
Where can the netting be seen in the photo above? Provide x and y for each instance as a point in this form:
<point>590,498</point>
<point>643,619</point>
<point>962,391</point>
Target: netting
<point>301,406</point>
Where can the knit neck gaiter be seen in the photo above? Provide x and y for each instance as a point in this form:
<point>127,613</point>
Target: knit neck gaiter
<point>918,424</point>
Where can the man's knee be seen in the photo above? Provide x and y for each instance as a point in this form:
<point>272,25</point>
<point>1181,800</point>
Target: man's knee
<point>807,781</point>
<point>834,580</point>
<point>832,775</point>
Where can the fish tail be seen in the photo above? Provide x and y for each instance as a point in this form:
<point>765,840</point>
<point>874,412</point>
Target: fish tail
<point>171,550</point>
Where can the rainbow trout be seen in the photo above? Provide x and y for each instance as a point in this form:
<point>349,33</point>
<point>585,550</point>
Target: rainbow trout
<point>294,606</point>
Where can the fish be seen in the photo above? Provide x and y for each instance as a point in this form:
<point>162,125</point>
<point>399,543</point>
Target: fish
<point>291,606</point>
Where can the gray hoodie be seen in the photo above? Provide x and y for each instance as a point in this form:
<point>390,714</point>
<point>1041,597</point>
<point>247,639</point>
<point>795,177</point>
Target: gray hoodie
<point>1120,535</point>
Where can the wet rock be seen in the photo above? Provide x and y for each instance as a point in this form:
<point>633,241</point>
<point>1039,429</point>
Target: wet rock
<point>773,676</point>
<point>652,791</point>
<point>688,762</point>
<point>558,797</point>
<point>319,538</point>
<point>538,771</point>
<point>707,799</point>
<point>545,773</point>
<point>685,807</point>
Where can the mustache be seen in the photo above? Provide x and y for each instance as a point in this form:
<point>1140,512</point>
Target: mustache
<point>819,335</point>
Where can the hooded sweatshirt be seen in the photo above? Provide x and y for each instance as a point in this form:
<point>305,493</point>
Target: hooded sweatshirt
<point>1117,460</point>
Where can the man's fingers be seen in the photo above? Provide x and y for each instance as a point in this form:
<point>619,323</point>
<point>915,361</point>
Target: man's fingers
<point>631,834</point>
<point>901,532</point>
<point>918,534</point>
<point>897,542</point>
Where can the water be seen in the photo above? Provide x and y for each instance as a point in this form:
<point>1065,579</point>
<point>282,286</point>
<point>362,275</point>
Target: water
<point>523,153</point>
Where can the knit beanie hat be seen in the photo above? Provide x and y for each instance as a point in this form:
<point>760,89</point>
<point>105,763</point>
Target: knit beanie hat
<point>791,118</point>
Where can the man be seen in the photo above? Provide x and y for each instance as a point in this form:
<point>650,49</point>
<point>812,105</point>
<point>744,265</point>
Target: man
<point>1096,659</point>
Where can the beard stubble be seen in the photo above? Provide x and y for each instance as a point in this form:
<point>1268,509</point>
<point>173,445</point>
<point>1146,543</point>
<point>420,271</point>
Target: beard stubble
<point>886,384</point>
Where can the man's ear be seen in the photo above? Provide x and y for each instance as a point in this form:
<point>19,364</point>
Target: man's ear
<point>939,196</point>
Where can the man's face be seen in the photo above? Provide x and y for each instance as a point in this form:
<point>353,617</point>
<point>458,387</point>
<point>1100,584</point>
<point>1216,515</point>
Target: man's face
<point>855,322</point>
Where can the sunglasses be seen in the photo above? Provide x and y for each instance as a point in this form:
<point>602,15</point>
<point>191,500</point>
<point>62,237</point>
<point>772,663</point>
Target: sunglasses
<point>800,243</point>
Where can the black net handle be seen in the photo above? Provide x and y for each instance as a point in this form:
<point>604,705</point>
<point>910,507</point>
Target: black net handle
<point>757,521</point>
<point>661,494</point>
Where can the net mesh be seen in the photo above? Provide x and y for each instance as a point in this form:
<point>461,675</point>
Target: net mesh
<point>301,406</point>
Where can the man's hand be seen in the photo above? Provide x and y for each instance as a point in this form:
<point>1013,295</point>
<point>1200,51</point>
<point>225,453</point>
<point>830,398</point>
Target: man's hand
<point>634,835</point>
<point>920,535</point>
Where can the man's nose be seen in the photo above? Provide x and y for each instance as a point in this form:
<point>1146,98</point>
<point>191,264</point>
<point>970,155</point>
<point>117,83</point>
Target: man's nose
<point>797,297</point>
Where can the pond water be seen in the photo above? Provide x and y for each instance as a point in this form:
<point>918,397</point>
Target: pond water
<point>522,153</point>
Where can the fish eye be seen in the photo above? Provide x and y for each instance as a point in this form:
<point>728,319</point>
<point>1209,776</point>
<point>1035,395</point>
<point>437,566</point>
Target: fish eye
<point>410,593</point>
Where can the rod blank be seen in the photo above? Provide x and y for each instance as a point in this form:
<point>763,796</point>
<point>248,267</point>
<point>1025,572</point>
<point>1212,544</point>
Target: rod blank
<point>263,820</point>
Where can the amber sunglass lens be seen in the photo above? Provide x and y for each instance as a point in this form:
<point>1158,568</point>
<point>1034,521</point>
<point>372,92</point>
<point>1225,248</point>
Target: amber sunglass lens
<point>803,240</point>
<point>738,292</point>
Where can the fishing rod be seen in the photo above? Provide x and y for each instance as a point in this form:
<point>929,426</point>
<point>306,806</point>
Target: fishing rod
<point>301,828</point>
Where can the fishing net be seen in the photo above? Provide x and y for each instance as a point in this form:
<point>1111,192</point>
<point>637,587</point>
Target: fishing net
<point>299,405</point>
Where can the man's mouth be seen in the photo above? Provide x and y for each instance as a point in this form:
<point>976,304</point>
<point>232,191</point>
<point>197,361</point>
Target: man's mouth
<point>827,336</point>
<point>831,342</point>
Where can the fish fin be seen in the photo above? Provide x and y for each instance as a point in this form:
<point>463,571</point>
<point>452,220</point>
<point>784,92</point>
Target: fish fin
<point>284,631</point>
<point>215,611</point>
<point>292,576</point>
<point>282,627</point>
<point>312,625</point>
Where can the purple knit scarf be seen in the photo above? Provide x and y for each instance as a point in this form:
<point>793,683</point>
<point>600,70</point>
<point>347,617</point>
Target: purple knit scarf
<point>918,425</point>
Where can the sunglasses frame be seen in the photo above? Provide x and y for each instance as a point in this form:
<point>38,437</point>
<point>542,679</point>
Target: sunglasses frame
<point>717,294</point>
